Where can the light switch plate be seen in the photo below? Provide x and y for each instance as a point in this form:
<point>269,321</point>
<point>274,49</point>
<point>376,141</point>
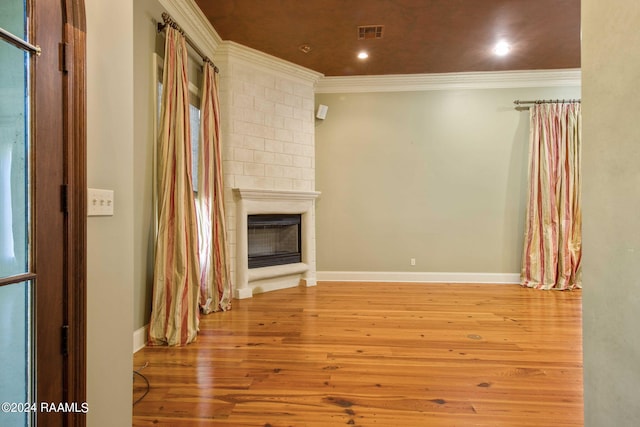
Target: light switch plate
<point>99,202</point>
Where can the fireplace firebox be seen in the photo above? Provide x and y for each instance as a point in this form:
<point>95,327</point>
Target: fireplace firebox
<point>273,239</point>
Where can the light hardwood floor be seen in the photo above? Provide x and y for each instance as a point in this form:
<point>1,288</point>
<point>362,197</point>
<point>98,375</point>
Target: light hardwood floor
<point>375,354</point>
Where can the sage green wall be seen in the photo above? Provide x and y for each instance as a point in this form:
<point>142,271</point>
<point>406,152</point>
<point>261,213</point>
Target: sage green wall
<point>438,176</point>
<point>110,257</point>
<point>145,15</point>
<point>611,200</point>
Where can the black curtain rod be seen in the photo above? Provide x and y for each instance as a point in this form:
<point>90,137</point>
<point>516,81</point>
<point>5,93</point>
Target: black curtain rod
<point>547,101</point>
<point>519,103</point>
<point>168,21</point>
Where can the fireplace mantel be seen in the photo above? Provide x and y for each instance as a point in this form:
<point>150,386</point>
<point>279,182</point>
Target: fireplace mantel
<point>277,195</point>
<point>257,201</point>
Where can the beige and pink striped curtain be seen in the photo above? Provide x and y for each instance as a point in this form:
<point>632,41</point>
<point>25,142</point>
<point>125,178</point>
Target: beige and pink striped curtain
<point>174,315</point>
<point>553,235</point>
<point>215,277</point>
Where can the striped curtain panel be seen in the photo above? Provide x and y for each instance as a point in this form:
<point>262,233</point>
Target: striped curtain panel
<point>215,277</point>
<point>174,315</point>
<point>553,234</point>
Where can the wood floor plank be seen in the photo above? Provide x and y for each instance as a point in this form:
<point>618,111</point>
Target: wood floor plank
<point>373,354</point>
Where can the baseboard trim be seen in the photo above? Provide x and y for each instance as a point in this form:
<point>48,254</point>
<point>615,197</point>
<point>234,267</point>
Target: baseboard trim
<point>417,277</point>
<point>140,338</point>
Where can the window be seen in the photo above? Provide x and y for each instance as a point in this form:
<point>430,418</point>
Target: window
<point>194,114</point>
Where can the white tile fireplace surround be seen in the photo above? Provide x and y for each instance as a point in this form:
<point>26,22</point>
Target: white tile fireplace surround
<point>263,279</point>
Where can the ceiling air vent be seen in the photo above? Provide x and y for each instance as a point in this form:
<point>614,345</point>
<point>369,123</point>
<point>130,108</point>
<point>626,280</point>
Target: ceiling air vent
<point>366,32</point>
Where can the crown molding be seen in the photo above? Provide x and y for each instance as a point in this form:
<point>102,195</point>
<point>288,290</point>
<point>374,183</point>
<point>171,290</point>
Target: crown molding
<point>443,81</point>
<point>229,51</point>
<point>194,23</point>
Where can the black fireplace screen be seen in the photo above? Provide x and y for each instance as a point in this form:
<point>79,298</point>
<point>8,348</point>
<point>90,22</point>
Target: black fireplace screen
<point>273,239</point>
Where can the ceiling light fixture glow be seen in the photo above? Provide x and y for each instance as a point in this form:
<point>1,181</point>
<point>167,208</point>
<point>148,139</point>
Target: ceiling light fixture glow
<point>363,55</point>
<point>502,48</point>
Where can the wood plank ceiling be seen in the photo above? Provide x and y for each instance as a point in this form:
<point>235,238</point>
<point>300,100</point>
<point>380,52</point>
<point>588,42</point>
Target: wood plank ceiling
<point>419,36</point>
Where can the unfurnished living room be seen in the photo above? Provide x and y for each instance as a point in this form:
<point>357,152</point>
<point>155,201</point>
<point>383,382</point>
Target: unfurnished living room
<point>402,188</point>
<point>320,212</point>
<point>394,215</point>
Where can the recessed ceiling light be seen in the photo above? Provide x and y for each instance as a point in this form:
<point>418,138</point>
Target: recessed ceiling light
<point>363,55</point>
<point>502,48</point>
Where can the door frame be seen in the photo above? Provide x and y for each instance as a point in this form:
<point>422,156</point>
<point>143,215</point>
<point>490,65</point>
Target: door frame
<point>75,137</point>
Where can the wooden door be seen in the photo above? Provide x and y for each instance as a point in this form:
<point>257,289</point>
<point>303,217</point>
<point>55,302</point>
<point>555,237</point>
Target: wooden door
<point>59,158</point>
<point>43,218</point>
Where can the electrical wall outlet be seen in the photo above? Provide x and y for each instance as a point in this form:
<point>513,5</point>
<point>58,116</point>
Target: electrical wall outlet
<point>413,261</point>
<point>99,202</point>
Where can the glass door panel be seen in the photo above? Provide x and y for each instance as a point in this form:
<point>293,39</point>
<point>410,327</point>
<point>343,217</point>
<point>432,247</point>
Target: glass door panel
<point>15,354</point>
<point>14,145</point>
<point>16,280</point>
